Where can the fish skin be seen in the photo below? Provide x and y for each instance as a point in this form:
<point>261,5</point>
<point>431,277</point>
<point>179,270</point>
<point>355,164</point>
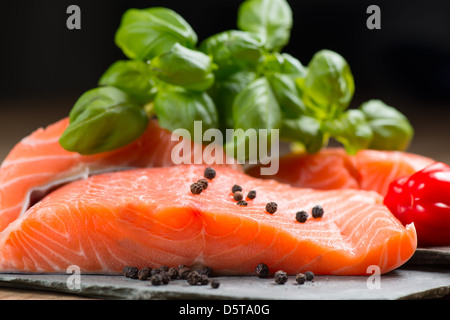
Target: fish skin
<point>38,161</point>
<point>333,168</point>
<point>149,217</point>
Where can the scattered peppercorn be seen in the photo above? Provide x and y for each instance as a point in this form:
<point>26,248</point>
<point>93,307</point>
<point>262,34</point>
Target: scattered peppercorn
<point>196,188</point>
<point>154,271</point>
<point>271,207</point>
<point>144,273</point>
<point>309,275</point>
<point>204,183</point>
<point>317,212</point>
<point>163,268</point>
<point>262,270</point>
<point>238,196</point>
<point>215,284</point>
<point>300,278</point>
<point>156,279</point>
<point>281,277</point>
<point>204,279</point>
<point>210,173</point>
<point>130,272</point>
<point>165,277</point>
<point>301,216</point>
<point>173,273</point>
<point>242,203</point>
<point>206,271</point>
<point>193,278</point>
<point>236,188</point>
<point>251,194</point>
<point>183,272</point>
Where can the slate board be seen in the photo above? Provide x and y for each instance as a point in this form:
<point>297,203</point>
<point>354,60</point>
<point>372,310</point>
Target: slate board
<point>403,283</point>
<point>431,256</point>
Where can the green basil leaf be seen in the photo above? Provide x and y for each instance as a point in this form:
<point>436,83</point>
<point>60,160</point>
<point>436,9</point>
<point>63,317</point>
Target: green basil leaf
<point>224,92</point>
<point>257,107</point>
<point>145,33</point>
<point>177,108</point>
<point>328,86</point>
<point>305,130</point>
<point>233,51</point>
<point>184,67</point>
<point>287,94</point>
<point>284,63</point>
<point>132,77</point>
<point>271,19</point>
<point>103,119</point>
<point>391,129</point>
<point>351,129</point>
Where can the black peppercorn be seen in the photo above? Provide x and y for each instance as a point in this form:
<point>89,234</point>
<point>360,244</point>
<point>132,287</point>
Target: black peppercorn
<point>281,277</point>
<point>300,278</point>
<point>301,216</point>
<point>317,212</point>
<point>193,278</point>
<point>130,272</point>
<point>251,194</point>
<point>238,196</point>
<point>271,207</point>
<point>204,183</point>
<point>144,273</point>
<point>262,270</point>
<point>204,279</point>
<point>215,284</point>
<point>242,203</point>
<point>165,277</point>
<point>236,188</point>
<point>163,268</point>
<point>173,273</point>
<point>309,275</point>
<point>196,188</point>
<point>156,279</point>
<point>206,271</point>
<point>183,272</point>
<point>210,173</point>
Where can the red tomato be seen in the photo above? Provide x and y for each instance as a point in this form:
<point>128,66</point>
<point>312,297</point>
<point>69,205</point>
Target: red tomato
<point>424,198</point>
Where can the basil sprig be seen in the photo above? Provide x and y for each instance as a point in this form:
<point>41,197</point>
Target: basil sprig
<point>235,79</point>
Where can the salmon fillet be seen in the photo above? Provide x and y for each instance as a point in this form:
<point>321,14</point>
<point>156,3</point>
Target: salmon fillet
<point>333,168</point>
<point>149,217</point>
<point>38,164</point>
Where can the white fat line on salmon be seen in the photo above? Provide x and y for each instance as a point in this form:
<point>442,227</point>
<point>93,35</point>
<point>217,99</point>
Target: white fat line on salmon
<point>248,147</point>
<point>37,193</point>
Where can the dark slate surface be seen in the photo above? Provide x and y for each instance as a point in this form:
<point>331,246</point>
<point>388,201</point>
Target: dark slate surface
<point>409,282</point>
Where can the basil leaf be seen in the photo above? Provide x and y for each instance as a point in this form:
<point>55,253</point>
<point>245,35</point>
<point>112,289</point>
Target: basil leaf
<point>271,19</point>
<point>101,120</point>
<point>257,107</point>
<point>145,33</point>
<point>284,63</point>
<point>177,108</point>
<point>287,94</point>
<point>391,129</point>
<point>224,92</point>
<point>184,67</point>
<point>351,129</point>
<point>132,77</point>
<point>233,51</point>
<point>305,130</point>
<point>328,86</point>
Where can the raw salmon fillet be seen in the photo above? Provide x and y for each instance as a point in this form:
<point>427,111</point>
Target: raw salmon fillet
<point>149,217</point>
<point>333,168</point>
<point>38,164</point>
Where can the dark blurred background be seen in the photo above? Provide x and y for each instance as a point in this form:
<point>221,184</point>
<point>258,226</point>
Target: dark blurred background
<point>45,67</point>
